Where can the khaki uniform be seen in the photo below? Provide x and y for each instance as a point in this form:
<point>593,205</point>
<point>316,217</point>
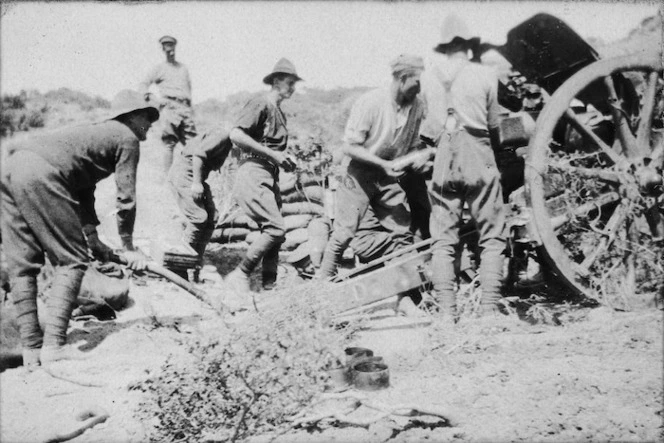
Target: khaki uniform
<point>212,148</point>
<point>375,123</point>
<point>465,171</point>
<point>257,184</point>
<point>176,115</point>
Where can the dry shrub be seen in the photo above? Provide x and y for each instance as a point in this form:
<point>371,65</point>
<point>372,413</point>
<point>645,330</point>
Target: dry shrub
<point>265,370</point>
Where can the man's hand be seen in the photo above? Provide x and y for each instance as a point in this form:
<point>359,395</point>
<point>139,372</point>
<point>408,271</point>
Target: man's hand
<point>99,249</point>
<point>393,169</point>
<point>136,260</point>
<point>197,191</point>
<point>285,161</point>
<point>421,164</point>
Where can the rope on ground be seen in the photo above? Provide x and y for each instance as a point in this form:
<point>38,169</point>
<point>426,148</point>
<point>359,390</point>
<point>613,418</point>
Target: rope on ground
<point>90,418</point>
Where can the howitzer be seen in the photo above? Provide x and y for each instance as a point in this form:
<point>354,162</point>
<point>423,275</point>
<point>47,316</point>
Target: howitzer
<point>593,196</point>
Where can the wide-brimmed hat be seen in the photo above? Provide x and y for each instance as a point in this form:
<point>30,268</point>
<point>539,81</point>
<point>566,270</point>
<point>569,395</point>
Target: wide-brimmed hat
<point>168,39</point>
<point>128,101</point>
<point>283,66</point>
<point>455,31</point>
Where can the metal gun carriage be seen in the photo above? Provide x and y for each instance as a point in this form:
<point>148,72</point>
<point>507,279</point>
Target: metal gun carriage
<point>590,174</point>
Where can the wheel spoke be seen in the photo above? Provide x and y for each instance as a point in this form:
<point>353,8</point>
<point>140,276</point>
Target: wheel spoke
<point>609,235</point>
<point>587,132</point>
<point>583,210</point>
<point>619,119</point>
<point>604,175</point>
<point>630,258</point>
<point>643,132</point>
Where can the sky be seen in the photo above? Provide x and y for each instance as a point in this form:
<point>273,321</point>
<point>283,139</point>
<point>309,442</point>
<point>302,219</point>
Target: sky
<point>229,46</point>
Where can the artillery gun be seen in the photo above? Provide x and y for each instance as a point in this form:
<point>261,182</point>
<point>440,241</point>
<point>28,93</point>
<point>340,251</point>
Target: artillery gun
<point>591,174</point>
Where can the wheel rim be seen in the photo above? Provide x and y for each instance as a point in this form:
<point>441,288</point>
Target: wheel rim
<point>593,194</point>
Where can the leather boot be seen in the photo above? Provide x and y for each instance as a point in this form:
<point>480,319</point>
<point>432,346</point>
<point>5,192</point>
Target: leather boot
<point>24,295</point>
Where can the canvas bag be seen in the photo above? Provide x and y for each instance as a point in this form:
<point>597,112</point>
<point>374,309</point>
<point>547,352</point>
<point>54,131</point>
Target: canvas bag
<point>462,161</point>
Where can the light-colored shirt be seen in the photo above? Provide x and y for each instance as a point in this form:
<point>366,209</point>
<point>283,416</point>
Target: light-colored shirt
<point>172,79</point>
<point>474,94</point>
<point>377,123</point>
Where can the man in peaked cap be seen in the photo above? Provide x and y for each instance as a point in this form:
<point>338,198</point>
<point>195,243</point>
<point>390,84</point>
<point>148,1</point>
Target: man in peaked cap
<point>260,132</point>
<point>383,126</point>
<point>174,84</point>
<point>47,189</point>
<point>462,121</point>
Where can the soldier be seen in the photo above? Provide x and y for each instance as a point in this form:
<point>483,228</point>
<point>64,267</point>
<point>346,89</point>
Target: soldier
<point>172,79</point>
<point>463,122</point>
<point>261,133</point>
<point>383,126</point>
<point>48,184</point>
<point>191,168</point>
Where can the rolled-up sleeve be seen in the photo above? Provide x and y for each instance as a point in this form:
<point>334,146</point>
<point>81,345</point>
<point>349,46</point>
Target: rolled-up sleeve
<point>359,122</point>
<point>125,179</point>
<point>252,119</point>
<point>213,147</point>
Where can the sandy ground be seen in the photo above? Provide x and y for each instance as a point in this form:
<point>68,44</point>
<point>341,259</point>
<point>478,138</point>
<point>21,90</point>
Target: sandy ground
<point>595,377</point>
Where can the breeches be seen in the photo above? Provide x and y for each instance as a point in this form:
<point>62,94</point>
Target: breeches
<point>39,216</point>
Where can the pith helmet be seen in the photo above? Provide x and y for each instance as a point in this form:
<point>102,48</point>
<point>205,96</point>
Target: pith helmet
<point>283,66</point>
<point>454,30</point>
<point>168,39</point>
<point>128,101</point>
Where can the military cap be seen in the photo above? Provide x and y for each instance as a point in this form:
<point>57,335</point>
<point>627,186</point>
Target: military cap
<point>168,39</point>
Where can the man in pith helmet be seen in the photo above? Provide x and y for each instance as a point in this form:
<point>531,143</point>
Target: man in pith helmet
<point>462,121</point>
<point>47,189</point>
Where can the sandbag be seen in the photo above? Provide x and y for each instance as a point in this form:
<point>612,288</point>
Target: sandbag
<point>288,182</point>
<point>103,287</point>
<point>303,208</point>
<point>312,193</point>
<point>237,219</point>
<point>297,221</point>
<point>229,235</point>
<point>295,238</point>
<point>252,236</point>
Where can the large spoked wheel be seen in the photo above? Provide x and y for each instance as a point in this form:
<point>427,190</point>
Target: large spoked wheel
<point>594,180</point>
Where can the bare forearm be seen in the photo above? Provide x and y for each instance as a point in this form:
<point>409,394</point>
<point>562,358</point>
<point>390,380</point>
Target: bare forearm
<point>241,139</point>
<point>360,154</point>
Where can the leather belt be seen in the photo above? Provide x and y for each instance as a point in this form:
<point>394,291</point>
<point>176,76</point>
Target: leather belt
<point>476,132</point>
<point>259,159</point>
